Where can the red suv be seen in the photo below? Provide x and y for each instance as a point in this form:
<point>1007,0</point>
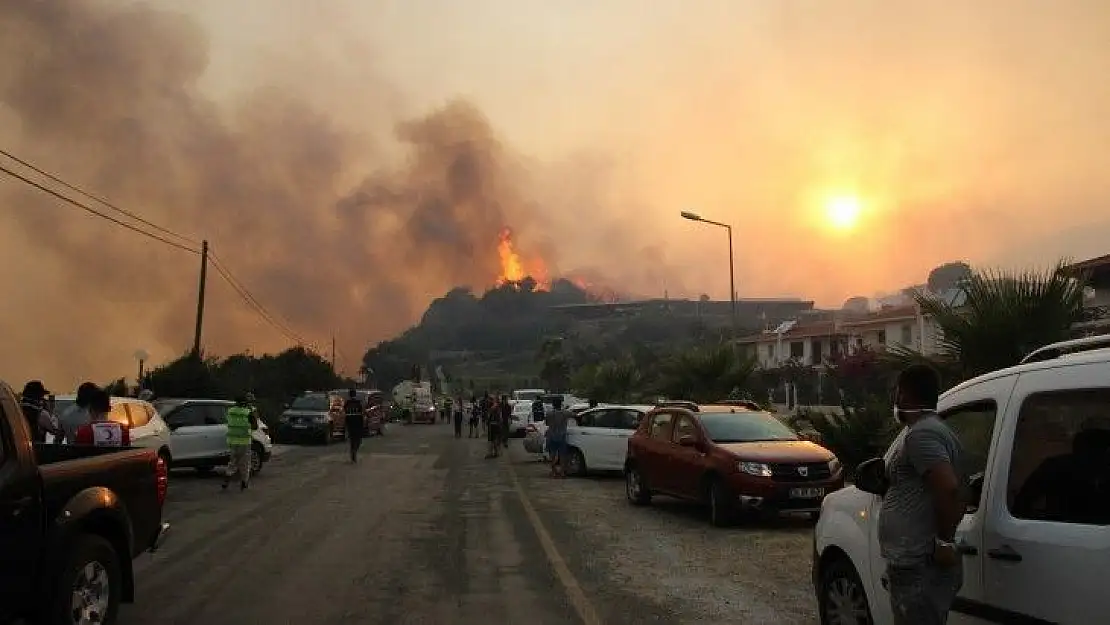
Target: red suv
<point>733,458</point>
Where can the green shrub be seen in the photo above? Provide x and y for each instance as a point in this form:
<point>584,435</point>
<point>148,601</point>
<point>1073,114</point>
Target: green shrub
<point>861,433</point>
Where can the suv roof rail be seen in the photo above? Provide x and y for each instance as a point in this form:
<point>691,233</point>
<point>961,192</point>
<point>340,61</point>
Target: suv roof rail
<point>677,403</point>
<point>740,403</point>
<point>1055,350</point>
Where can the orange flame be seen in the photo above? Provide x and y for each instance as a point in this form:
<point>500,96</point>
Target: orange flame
<point>512,270</point>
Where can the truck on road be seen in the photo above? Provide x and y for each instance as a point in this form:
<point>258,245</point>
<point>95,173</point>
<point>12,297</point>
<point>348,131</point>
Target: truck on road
<point>72,519</point>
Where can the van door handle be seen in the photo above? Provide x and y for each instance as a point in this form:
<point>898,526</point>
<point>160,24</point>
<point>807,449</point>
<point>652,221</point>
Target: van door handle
<point>1005,553</point>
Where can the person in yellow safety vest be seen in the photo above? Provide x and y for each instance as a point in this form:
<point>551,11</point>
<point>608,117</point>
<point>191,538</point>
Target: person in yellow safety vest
<point>240,421</point>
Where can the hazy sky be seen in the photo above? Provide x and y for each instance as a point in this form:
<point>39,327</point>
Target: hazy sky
<point>972,131</point>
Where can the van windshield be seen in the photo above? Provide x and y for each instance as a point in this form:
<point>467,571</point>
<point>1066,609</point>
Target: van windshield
<point>315,403</point>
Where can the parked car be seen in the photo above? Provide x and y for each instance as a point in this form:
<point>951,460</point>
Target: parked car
<point>1035,538</point>
<point>597,438</point>
<point>315,416</point>
<point>732,458</point>
<point>198,434</point>
<point>375,414</point>
<point>72,519</point>
<point>145,426</point>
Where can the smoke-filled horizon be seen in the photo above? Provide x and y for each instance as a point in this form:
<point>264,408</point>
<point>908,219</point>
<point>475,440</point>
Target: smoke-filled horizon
<point>349,166</point>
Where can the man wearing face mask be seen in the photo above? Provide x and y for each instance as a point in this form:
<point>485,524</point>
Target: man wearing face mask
<point>922,506</point>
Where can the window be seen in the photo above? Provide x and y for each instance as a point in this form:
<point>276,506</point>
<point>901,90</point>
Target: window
<point>186,416</point>
<point>881,336</point>
<point>1059,470</point>
<point>607,418</point>
<point>974,426</point>
<point>119,414</point>
<point>815,352</point>
<point>907,334</point>
<point>770,352</point>
<point>661,426</point>
<point>628,419</point>
<point>215,414</point>
<point>684,427</point>
<point>590,419</point>
<point>797,349</point>
<point>139,415</point>
<point>744,427</point>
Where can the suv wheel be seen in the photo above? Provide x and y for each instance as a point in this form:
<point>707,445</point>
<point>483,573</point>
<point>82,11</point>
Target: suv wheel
<point>721,510</point>
<point>90,584</point>
<point>842,600</point>
<point>635,488</point>
<point>256,458</point>
<point>576,463</point>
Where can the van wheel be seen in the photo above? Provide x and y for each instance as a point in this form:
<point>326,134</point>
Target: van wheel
<point>843,600</point>
<point>90,585</point>
<point>576,463</point>
<point>635,487</point>
<point>721,509</point>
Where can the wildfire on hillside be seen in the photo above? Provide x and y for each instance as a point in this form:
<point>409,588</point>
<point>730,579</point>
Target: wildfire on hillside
<point>514,268</point>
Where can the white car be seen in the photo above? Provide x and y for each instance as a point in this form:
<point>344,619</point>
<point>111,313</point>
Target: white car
<point>597,438</point>
<point>199,434</point>
<point>1035,539</point>
<point>144,425</point>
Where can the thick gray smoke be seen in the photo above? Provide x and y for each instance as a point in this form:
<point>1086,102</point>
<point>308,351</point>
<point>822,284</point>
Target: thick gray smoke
<point>107,96</point>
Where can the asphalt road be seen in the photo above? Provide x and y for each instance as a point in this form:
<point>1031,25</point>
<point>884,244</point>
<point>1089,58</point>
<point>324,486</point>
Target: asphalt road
<point>425,530</point>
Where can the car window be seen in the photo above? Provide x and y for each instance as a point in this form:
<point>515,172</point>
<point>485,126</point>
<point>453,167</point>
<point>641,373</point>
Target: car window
<point>629,419</point>
<point>589,419</point>
<point>215,414</point>
<point>119,414</point>
<point>315,403</point>
<point>974,427</point>
<point>187,416</point>
<point>1060,464</point>
<point>745,427</point>
<point>610,419</point>
<point>684,427</point>
<point>139,415</point>
<point>661,426</point>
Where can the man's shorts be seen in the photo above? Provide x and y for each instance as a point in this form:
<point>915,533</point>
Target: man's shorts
<point>556,446</point>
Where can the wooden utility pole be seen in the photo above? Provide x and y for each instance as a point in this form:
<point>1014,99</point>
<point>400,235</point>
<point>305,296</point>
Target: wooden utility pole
<point>200,297</point>
<point>333,354</point>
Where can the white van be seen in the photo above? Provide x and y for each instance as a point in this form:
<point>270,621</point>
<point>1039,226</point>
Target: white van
<point>1036,538</point>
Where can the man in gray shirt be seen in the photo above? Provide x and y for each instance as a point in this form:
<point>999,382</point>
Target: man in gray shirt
<point>557,423</point>
<point>922,506</point>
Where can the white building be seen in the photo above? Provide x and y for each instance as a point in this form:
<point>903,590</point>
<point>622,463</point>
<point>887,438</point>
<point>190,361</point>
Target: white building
<point>1097,272</point>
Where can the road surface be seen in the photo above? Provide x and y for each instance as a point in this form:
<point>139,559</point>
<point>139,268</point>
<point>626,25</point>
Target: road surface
<point>425,531</point>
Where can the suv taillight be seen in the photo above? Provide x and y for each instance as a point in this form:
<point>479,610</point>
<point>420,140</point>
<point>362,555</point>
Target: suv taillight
<point>161,478</point>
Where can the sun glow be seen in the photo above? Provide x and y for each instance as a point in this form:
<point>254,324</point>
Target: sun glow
<point>842,212</point>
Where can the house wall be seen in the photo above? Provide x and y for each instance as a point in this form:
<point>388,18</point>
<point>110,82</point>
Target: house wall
<point>903,333</point>
<point>813,350</point>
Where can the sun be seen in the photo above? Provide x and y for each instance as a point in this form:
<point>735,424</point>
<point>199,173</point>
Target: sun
<point>842,212</point>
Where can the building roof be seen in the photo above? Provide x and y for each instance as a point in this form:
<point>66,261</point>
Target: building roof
<point>1091,264</point>
<point>800,331</point>
<point>884,316</point>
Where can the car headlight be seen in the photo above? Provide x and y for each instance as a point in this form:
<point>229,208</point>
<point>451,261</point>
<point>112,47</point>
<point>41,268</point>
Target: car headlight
<point>834,465</point>
<point>755,468</point>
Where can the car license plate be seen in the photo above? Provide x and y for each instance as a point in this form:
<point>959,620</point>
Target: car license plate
<point>300,426</point>
<point>807,493</point>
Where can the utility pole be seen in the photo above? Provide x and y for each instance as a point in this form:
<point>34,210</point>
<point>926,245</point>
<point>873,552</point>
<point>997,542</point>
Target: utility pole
<point>333,353</point>
<point>200,297</point>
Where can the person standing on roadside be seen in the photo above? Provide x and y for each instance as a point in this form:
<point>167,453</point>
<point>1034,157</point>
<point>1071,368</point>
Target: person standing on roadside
<point>355,415</point>
<point>922,506</point>
<point>557,423</point>
<point>493,428</point>
<point>474,415</point>
<point>240,421</point>
<point>33,402</point>
<point>78,414</point>
<point>101,431</point>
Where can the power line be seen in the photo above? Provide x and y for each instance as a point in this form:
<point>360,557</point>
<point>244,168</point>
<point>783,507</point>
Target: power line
<point>252,301</point>
<point>98,198</point>
<point>97,213</point>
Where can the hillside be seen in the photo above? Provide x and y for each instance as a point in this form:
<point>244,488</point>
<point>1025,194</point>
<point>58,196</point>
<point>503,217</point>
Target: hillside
<point>496,338</point>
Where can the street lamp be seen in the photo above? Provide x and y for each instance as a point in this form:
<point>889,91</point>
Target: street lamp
<point>731,272</point>
<point>141,355</point>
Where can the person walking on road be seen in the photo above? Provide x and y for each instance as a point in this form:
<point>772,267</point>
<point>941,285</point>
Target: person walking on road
<point>922,506</point>
<point>506,419</point>
<point>557,423</point>
<point>458,417</point>
<point>240,421</point>
<point>355,416</point>
<point>474,414</point>
<point>493,428</point>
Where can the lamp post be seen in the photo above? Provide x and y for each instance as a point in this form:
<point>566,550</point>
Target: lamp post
<point>731,271</point>
<point>141,355</point>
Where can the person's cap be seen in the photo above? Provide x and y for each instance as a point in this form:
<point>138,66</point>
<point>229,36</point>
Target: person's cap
<point>35,389</point>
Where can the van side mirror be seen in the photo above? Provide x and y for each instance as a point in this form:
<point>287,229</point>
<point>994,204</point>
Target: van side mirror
<point>871,477</point>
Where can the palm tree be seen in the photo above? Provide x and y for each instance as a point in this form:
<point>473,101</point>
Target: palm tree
<point>1004,316</point>
<point>705,374</point>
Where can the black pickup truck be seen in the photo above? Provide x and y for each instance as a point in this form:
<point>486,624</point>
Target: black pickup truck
<point>72,519</point>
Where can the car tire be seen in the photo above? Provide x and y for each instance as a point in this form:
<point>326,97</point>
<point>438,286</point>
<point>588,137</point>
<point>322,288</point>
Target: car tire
<point>257,453</point>
<point>636,487</point>
<point>842,599</point>
<point>576,463</point>
<point>94,564</point>
<point>722,512</point>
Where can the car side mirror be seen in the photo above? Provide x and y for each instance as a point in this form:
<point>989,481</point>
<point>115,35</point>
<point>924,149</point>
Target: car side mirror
<point>871,477</point>
<point>688,440</point>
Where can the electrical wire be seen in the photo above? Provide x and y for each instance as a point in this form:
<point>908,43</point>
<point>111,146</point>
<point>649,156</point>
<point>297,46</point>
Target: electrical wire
<point>97,213</point>
<point>98,198</point>
<point>252,301</point>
